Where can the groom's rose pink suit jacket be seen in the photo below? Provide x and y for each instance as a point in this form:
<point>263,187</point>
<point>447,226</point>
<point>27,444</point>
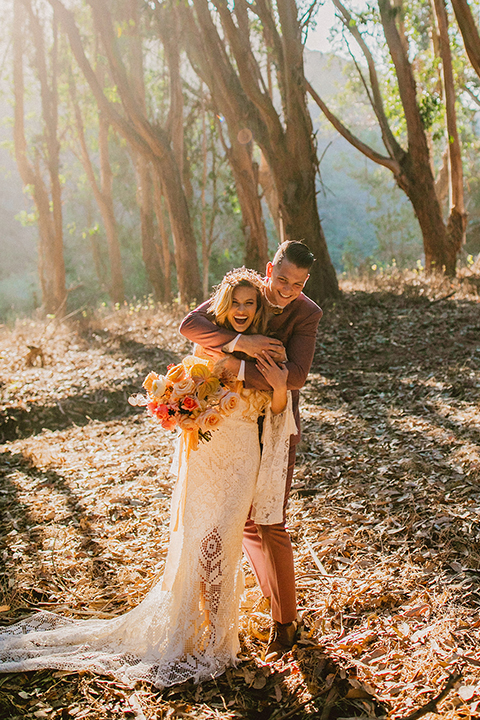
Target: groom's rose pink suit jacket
<point>295,327</point>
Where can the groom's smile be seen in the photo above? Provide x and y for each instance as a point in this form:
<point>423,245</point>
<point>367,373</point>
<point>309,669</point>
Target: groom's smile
<point>285,282</point>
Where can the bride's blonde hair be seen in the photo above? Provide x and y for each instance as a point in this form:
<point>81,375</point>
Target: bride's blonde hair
<point>222,299</point>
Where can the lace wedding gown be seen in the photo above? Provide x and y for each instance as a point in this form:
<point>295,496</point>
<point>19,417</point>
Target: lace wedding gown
<point>187,625</point>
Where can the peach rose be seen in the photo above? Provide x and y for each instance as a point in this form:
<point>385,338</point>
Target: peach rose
<point>229,403</point>
<point>182,388</point>
<point>209,420</point>
<point>185,422</point>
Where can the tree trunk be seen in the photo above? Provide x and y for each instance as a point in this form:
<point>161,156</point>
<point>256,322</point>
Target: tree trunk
<point>287,143</point>
<point>51,262</point>
<point>412,168</point>
<point>165,255</point>
<point>117,292</point>
<point>469,31</point>
<point>239,154</point>
<point>270,194</point>
<point>151,140</point>
<point>457,221</point>
<point>103,195</point>
<point>420,186</point>
<point>150,249</point>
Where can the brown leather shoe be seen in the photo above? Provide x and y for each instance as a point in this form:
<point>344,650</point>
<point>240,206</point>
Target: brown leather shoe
<point>281,640</point>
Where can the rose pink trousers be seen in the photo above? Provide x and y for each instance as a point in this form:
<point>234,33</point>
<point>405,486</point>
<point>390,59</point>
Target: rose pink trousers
<point>269,552</point>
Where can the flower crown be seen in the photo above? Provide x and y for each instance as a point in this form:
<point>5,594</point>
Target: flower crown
<point>238,274</point>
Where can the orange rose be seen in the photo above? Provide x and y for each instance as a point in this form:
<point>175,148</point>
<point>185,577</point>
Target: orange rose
<point>190,403</point>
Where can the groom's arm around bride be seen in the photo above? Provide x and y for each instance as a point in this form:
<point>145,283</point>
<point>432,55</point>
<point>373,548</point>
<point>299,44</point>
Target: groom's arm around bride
<point>292,330</point>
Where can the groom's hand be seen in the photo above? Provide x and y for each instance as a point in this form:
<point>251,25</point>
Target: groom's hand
<point>256,344</point>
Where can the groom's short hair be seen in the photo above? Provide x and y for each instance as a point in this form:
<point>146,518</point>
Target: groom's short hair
<point>295,252</point>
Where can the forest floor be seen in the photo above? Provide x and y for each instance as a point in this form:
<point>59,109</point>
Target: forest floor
<point>384,515</point>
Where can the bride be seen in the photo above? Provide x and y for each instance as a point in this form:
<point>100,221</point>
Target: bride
<point>187,625</point>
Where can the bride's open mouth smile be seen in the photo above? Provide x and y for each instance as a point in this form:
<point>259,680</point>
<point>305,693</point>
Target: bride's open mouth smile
<point>243,308</point>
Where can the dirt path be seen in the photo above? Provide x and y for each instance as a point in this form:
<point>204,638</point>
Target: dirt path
<point>385,516</point>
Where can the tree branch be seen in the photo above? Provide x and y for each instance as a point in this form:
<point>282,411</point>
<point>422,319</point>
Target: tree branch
<point>393,147</point>
<point>369,152</point>
<point>471,37</point>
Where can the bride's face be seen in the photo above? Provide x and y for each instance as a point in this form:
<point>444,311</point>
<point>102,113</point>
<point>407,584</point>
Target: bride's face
<point>243,308</point>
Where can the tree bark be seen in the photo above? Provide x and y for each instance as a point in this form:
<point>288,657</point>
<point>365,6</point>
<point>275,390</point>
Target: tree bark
<point>457,221</point>
<point>239,154</point>
<point>288,146</point>
<point>51,261</point>
<point>471,37</point>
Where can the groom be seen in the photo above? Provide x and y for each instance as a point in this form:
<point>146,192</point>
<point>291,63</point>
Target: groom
<point>292,330</point>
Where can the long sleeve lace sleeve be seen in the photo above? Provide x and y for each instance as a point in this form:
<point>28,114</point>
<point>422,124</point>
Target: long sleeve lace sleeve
<point>267,506</point>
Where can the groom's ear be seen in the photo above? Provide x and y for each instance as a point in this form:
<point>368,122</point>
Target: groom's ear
<point>269,269</point>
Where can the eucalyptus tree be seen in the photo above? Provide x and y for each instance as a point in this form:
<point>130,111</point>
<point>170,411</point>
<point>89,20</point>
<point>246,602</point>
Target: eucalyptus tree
<point>133,122</point>
<point>38,160</point>
<point>101,179</point>
<point>237,141</point>
<point>468,27</point>
<point>238,84</point>
<point>405,134</point>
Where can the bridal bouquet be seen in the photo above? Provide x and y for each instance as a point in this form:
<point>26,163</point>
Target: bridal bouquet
<point>190,396</point>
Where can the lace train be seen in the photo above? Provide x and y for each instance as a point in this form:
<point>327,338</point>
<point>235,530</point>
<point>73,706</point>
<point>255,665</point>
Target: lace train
<point>187,625</point>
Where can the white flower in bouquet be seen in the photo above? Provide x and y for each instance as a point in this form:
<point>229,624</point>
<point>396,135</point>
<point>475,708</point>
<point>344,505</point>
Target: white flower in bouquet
<point>158,387</point>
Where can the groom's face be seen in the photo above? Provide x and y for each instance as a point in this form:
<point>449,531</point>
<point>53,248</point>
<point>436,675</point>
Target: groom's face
<point>285,282</point>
